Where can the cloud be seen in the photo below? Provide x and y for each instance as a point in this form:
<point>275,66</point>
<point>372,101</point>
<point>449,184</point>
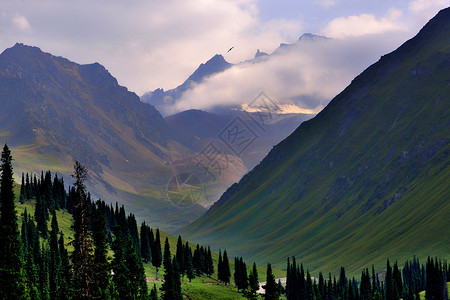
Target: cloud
<point>326,3</point>
<point>308,74</point>
<point>423,10</point>
<point>146,44</point>
<point>21,22</point>
<point>364,24</point>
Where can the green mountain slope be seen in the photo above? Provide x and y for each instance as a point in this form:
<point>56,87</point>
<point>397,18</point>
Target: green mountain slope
<point>367,178</point>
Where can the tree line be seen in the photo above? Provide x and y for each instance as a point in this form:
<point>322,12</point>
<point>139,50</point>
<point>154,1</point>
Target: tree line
<point>397,284</point>
<point>36,264</point>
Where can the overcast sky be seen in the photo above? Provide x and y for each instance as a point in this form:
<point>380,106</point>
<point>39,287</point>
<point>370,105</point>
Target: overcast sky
<point>158,44</point>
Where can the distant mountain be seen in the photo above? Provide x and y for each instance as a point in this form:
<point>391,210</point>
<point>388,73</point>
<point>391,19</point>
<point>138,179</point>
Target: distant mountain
<point>54,111</point>
<point>312,37</point>
<point>199,128</point>
<point>367,178</point>
<point>163,100</point>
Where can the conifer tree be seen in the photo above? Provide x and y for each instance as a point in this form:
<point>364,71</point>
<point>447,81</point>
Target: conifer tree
<point>180,255</point>
<point>146,252</point>
<point>176,278</point>
<point>22,196</point>
<point>226,268</point>
<point>237,274</point>
<point>156,253</point>
<point>210,264</point>
<point>135,272</point>
<point>389,283</point>
<point>188,262</point>
<point>220,267</point>
<point>271,286</point>
<point>170,286</point>
<point>66,289</point>
<point>253,284</point>
<point>43,273</point>
<point>28,191</point>
<point>82,255</point>
<point>244,276</point>
<point>55,259</point>
<point>309,287</point>
<point>118,265</point>
<point>102,280</point>
<point>12,274</point>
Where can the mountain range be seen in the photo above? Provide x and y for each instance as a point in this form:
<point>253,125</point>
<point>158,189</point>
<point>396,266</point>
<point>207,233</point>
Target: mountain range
<point>366,179</point>
<point>55,111</point>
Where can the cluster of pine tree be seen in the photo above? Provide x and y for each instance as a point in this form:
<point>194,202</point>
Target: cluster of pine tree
<point>431,278</point>
<point>35,263</point>
<point>223,268</point>
<point>50,195</point>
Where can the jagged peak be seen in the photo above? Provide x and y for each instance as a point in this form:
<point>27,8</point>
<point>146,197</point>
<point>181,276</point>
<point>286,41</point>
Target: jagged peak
<point>312,37</point>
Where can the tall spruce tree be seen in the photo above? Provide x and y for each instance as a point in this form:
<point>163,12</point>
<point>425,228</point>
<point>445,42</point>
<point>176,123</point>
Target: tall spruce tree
<point>156,252</point>
<point>271,285</point>
<point>226,268</point>
<point>188,262</point>
<point>146,252</point>
<point>12,274</point>
<point>389,283</point>
<point>135,272</point>
<point>220,267</point>
<point>170,287</point>
<point>210,264</point>
<point>102,281</point>
<point>82,256</point>
<point>180,255</point>
<point>119,266</point>
<point>55,259</point>
<point>253,284</point>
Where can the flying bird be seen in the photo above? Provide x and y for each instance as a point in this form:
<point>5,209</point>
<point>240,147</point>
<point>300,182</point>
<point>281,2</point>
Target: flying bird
<point>230,49</point>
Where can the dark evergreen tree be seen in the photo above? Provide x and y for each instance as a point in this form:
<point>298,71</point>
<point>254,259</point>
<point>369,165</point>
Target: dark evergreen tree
<point>40,215</point>
<point>156,253</point>
<point>22,196</point>
<point>28,190</point>
<point>253,284</point>
<point>146,252</point>
<point>220,267</point>
<point>226,268</point>
<point>271,286</point>
<point>180,255</point>
<point>119,266</point>
<point>389,283</point>
<point>188,262</point>
<point>240,274</point>
<point>176,278</point>
<point>135,272</point>
<point>237,274</point>
<point>309,287</point>
<point>169,287</point>
<point>55,260</point>
<point>210,264</point>
<point>82,255</point>
<point>12,274</point>
<point>102,280</point>
<point>365,286</point>
<point>66,288</point>
<point>397,282</point>
<point>43,273</point>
